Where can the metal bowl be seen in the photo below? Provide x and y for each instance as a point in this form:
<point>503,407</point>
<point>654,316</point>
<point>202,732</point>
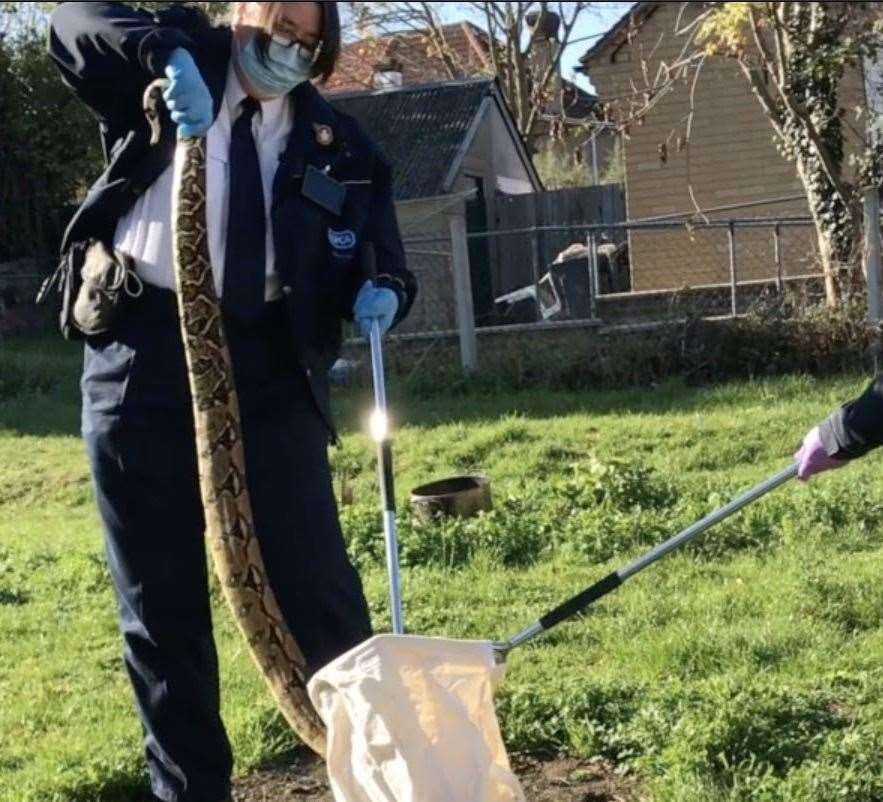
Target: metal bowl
<point>461,496</point>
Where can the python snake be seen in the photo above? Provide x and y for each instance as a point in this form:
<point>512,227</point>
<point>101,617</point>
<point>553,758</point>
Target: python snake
<point>229,524</point>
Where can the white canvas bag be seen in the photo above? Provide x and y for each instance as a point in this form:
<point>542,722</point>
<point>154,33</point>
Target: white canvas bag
<point>412,719</point>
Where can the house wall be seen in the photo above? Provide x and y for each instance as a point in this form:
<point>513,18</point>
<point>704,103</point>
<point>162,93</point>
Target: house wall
<point>730,159</point>
<point>494,156</point>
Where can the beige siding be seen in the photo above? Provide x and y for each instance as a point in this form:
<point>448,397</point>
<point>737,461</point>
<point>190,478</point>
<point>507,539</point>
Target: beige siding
<point>730,159</point>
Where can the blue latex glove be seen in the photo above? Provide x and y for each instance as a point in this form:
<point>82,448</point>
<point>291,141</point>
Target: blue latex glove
<point>187,96</point>
<point>374,303</point>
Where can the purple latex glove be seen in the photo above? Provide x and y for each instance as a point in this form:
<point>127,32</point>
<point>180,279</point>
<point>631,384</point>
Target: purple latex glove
<point>812,458</point>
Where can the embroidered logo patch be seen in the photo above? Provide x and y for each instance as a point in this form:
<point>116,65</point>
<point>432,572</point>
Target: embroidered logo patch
<point>342,240</point>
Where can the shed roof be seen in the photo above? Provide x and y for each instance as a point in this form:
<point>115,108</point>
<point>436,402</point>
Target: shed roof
<point>425,131</point>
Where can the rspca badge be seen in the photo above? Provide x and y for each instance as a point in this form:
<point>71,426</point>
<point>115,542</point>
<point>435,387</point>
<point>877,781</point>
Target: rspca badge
<point>324,134</point>
<point>342,240</point>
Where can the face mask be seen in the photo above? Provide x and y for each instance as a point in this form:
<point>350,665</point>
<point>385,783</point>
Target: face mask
<point>283,69</point>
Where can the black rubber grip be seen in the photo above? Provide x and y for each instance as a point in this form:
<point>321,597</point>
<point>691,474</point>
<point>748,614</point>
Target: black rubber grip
<point>387,484</point>
<point>369,261</point>
<point>582,600</point>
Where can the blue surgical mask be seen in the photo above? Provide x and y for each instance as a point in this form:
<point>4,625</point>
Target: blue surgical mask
<point>282,70</point>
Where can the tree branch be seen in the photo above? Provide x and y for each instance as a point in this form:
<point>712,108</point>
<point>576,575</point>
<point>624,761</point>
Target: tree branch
<point>767,103</point>
<point>492,38</point>
<point>803,116</point>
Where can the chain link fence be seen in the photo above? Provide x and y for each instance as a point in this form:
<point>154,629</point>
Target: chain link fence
<point>485,295</point>
<point>489,297</point>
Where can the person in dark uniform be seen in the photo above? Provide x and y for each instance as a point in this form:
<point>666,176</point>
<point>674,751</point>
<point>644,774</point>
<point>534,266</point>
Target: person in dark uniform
<point>284,252</point>
<point>848,433</point>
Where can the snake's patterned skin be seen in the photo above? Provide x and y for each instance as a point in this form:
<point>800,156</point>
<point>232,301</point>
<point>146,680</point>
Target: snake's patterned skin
<point>229,524</point>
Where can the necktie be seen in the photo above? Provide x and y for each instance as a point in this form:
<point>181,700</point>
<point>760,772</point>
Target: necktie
<point>245,259</point>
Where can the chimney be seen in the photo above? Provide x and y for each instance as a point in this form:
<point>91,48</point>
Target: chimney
<point>387,74</point>
<point>543,49</point>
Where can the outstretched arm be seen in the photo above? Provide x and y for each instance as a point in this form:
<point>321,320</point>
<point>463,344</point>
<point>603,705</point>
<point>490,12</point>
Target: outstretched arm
<point>857,426</point>
<point>848,433</point>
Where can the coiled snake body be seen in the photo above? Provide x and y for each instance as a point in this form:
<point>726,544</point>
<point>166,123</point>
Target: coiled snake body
<point>229,524</point>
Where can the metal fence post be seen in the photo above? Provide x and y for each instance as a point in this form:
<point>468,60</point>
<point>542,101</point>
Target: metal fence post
<point>871,204</point>
<point>535,262</point>
<point>592,261</point>
<point>777,248</point>
<point>463,293</point>
<point>734,295</point>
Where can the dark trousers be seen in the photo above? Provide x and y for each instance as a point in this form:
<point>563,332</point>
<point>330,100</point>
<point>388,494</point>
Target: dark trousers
<point>138,429</point>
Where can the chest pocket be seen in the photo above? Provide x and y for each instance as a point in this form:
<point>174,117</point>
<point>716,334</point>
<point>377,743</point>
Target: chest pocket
<point>341,233</point>
<point>359,192</point>
<point>346,232</point>
<point>319,245</point>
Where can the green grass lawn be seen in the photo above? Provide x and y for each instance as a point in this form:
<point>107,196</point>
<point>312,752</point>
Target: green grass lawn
<point>749,667</point>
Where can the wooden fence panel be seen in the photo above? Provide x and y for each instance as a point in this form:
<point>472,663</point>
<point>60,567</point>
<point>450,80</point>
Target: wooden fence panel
<point>518,253</point>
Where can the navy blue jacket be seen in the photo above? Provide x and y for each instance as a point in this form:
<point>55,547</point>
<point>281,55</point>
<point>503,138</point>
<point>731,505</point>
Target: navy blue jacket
<point>857,426</point>
<point>108,53</point>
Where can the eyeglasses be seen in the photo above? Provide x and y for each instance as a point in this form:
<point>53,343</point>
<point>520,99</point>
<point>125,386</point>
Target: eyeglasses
<point>310,54</point>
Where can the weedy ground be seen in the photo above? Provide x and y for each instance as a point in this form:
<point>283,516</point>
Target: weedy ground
<point>748,667</point>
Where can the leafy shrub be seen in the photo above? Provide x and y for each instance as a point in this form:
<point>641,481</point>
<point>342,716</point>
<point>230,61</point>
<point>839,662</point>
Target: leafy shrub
<point>601,533</point>
<point>515,533</point>
<point>623,485</point>
<point>362,525</point>
<point>17,380</point>
<point>756,527</point>
<point>598,509</point>
<point>788,333</point>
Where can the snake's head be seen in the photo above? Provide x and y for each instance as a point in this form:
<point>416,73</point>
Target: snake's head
<point>152,98</point>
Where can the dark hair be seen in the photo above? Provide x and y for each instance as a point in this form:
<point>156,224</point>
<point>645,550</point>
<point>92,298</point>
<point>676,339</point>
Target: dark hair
<point>330,37</point>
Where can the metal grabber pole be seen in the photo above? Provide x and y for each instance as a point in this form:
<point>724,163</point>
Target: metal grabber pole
<point>611,582</point>
<point>380,433</point>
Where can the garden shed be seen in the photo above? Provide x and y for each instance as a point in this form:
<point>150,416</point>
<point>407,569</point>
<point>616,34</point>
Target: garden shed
<point>454,150</point>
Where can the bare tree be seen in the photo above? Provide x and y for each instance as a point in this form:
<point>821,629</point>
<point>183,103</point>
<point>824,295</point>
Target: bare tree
<point>795,56</point>
<point>519,43</point>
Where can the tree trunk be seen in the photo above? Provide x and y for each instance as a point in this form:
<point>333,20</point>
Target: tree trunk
<point>836,244</point>
<point>823,236</point>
